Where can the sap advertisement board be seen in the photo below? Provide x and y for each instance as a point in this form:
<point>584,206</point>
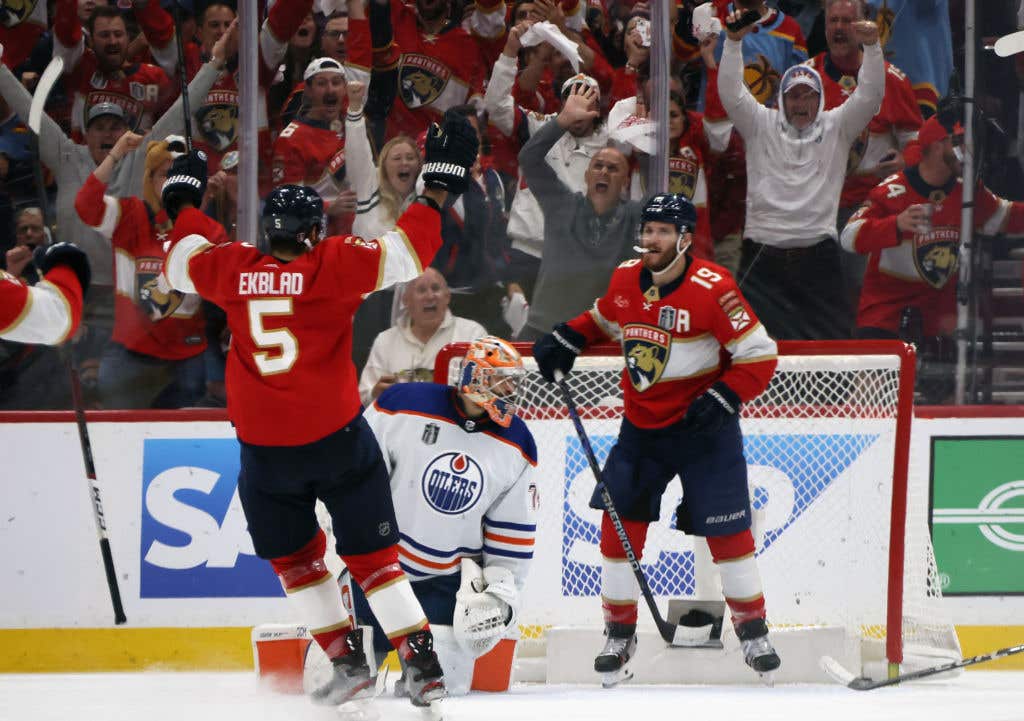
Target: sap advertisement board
<point>184,558</point>
<point>978,513</point>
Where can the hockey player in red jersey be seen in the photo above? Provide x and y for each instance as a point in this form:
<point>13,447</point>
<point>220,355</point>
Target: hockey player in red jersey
<point>47,313</point>
<point>694,352</point>
<point>101,74</point>
<point>293,397</point>
<point>909,227</point>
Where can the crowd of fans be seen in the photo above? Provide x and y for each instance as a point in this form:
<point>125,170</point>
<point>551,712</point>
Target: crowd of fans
<point>777,148</point>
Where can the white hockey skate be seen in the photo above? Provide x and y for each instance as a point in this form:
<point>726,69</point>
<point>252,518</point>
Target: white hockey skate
<point>758,651</point>
<point>613,661</point>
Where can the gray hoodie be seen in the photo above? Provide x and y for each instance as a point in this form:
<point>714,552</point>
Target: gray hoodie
<point>795,177</point>
<point>581,249</point>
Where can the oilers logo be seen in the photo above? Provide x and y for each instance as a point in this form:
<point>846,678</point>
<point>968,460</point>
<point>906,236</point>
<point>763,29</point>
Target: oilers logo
<point>452,483</point>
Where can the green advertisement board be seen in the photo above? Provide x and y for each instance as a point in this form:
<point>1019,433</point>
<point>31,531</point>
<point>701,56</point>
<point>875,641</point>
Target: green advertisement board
<point>978,514</point>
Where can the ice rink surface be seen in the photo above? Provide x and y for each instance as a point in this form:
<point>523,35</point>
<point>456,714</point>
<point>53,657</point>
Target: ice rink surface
<point>152,696</point>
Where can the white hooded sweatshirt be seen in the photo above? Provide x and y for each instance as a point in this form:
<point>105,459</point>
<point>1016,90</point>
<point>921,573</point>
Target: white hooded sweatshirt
<point>794,177</point>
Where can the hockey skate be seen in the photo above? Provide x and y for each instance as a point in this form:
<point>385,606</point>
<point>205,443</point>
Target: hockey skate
<point>423,677</point>
<point>350,678</point>
<point>613,661</point>
<point>758,651</point>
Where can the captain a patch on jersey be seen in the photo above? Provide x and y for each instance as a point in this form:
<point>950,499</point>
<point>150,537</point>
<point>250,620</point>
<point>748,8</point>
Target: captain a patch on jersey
<point>646,349</point>
<point>452,483</point>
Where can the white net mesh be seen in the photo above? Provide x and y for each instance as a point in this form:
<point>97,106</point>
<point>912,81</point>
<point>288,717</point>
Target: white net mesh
<point>819,443</point>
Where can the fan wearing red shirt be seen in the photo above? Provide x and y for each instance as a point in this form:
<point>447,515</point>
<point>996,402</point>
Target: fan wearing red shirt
<point>294,400</point>
<point>149,362</point>
<point>101,74</point>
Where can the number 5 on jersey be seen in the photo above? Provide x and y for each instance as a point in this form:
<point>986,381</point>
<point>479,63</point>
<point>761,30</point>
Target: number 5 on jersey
<point>282,350</point>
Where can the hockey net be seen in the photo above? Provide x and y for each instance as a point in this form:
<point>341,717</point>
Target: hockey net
<point>841,527</point>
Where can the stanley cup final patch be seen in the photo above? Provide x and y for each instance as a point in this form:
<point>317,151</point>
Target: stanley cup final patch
<point>430,432</point>
<point>733,308</point>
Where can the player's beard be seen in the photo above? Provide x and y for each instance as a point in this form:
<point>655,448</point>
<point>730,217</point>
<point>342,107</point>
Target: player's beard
<point>657,261</point>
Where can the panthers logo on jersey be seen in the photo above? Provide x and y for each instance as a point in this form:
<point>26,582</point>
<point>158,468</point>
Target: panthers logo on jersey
<point>15,12</point>
<point>421,79</point>
<point>646,349</point>
<point>682,173</point>
<point>218,119</point>
<point>936,255</point>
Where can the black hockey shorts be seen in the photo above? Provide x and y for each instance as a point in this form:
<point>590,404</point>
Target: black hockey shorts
<point>279,486</point>
<point>713,471</point>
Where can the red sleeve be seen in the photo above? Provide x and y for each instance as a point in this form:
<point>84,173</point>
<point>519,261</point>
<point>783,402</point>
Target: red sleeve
<point>283,21</point>
<point>601,70</point>
<point>360,50</point>
<point>734,323</point>
<point>13,297</point>
<point>66,281</point>
<point>18,42</point>
<point>1000,215</point>
<point>66,25</point>
<point>587,323</point>
<point>195,222</point>
<point>714,111</point>
<point>900,93</point>
<point>89,201</point>
<point>874,224</point>
<point>156,24</point>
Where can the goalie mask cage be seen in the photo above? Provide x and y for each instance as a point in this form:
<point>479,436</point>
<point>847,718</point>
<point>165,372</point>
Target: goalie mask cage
<point>841,527</point>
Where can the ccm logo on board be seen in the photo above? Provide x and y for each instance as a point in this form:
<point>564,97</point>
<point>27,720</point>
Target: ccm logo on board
<point>195,542</point>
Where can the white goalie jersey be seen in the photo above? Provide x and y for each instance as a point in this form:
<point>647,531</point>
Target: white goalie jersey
<point>461,487</point>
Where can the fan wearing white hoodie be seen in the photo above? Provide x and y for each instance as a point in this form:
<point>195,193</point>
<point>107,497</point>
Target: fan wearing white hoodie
<point>796,165</point>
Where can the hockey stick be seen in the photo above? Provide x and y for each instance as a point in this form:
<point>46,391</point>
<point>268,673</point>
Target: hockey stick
<point>46,82</point>
<point>672,634</point>
<point>94,489</point>
<point>859,683</point>
<point>186,106</point>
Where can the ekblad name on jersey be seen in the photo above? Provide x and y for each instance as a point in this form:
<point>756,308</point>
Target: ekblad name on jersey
<point>457,492</point>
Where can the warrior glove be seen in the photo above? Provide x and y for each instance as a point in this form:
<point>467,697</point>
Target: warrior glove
<point>710,411</point>
<point>450,152</point>
<point>558,350</point>
<point>186,183</point>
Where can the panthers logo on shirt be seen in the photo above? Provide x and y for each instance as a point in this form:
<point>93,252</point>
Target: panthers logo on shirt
<point>421,79</point>
<point>682,173</point>
<point>452,483</point>
<point>646,349</point>
<point>218,119</point>
<point>936,254</point>
<point>15,12</point>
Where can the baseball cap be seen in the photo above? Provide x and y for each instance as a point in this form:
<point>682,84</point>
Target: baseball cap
<point>580,79</point>
<point>323,65</point>
<point>933,131</point>
<point>801,75</point>
<point>100,109</point>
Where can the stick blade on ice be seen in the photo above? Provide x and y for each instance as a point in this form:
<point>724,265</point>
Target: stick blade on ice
<point>836,670</point>
<point>1010,44</point>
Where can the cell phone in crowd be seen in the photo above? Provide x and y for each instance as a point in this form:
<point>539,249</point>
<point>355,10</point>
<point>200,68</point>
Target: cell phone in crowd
<point>749,17</point>
<point>643,26</point>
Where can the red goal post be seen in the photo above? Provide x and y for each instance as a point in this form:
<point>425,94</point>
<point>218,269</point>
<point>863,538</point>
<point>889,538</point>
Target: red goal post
<point>841,525</point>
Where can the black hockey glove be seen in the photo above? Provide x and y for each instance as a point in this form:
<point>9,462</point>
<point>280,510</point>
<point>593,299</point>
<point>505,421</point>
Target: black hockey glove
<point>558,350</point>
<point>450,152</point>
<point>50,256</point>
<point>186,183</point>
<point>711,410</point>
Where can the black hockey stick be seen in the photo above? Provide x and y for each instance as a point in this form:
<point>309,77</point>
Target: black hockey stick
<point>183,78</point>
<point>669,632</point>
<point>94,490</point>
<point>859,683</point>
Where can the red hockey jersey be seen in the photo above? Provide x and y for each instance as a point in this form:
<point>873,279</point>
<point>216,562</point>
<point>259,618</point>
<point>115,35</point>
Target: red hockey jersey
<point>895,125</point>
<point>435,72</point>
<point>290,377</point>
<point>143,90</point>
<point>686,175</point>
<point>48,312</point>
<point>311,153</point>
<point>21,25</point>
<point>138,241</point>
<point>918,269</point>
<point>679,339</point>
